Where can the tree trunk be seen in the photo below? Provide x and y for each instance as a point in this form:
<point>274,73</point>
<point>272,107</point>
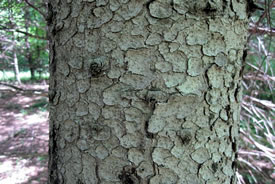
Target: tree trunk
<point>16,67</point>
<point>28,55</point>
<point>145,91</point>
<point>14,55</point>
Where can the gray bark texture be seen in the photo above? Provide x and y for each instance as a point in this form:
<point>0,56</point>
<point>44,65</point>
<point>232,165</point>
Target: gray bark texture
<point>145,92</point>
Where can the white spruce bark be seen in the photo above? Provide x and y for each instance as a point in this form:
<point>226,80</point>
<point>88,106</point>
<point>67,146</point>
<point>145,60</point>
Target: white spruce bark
<point>145,91</point>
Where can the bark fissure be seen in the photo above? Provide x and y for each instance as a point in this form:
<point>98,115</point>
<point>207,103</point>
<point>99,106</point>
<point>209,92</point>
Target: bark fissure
<point>53,155</point>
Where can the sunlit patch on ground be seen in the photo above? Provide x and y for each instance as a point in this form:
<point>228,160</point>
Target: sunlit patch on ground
<point>18,170</point>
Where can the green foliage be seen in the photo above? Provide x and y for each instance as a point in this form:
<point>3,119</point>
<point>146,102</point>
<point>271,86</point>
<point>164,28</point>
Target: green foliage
<point>23,31</point>
<point>25,76</point>
<point>42,158</point>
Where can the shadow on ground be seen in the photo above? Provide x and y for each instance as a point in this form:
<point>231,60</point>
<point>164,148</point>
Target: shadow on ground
<point>23,136</point>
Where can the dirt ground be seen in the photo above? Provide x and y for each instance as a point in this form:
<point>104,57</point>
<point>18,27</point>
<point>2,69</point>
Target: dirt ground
<point>23,135</point>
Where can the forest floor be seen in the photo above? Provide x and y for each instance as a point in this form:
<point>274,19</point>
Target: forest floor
<point>24,134</point>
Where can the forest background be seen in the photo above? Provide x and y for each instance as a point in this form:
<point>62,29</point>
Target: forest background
<point>23,94</point>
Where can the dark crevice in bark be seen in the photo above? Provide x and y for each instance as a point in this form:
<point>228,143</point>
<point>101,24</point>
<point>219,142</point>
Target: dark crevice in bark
<point>96,69</point>
<point>53,155</point>
<point>199,167</point>
<point>252,7</point>
<point>79,181</point>
<point>125,179</point>
<point>237,90</point>
<point>228,113</point>
<point>234,146</point>
<point>231,6</point>
<point>52,57</point>
<point>125,65</point>
<point>231,138</point>
<point>52,90</point>
<point>49,17</point>
<point>129,176</point>
<point>206,77</point>
<point>65,42</point>
<point>212,120</point>
<point>70,11</point>
<point>51,95</point>
<point>148,4</point>
<point>227,109</point>
<point>234,165</point>
<point>209,10</point>
<point>151,102</point>
<point>148,134</point>
<point>173,7</point>
<point>155,168</point>
<point>224,5</point>
<point>185,138</point>
<point>245,52</point>
<point>214,167</point>
<point>139,179</point>
<point>97,173</point>
<point>205,98</point>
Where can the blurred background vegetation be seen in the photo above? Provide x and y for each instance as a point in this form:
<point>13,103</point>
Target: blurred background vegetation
<point>24,59</point>
<point>257,147</point>
<point>23,41</point>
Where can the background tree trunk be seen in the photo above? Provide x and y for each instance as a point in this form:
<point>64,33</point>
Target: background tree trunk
<point>28,54</point>
<point>14,55</point>
<point>145,91</point>
<point>16,67</point>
